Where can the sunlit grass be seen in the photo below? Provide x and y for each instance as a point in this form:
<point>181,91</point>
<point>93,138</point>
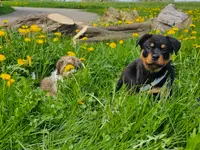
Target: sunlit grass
<point>5,10</point>
<point>85,115</point>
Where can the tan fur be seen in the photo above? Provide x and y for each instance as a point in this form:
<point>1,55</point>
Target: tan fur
<point>164,92</point>
<point>154,90</point>
<point>49,83</point>
<point>65,60</point>
<point>148,60</point>
<point>162,61</point>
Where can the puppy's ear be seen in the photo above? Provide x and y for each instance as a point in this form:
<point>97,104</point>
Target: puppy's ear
<point>175,44</point>
<point>59,65</point>
<point>76,62</point>
<point>142,39</point>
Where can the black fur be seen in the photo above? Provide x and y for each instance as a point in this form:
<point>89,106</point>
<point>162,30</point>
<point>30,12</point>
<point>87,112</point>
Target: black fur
<point>136,75</point>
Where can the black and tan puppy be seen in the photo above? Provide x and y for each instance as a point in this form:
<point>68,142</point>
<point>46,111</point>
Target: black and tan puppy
<point>154,68</point>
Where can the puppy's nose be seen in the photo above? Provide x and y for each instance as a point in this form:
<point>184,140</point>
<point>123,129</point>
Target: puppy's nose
<point>155,57</point>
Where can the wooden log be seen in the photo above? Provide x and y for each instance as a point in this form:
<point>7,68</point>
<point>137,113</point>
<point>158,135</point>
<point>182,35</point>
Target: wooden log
<point>129,27</point>
<point>105,38</point>
<point>97,34</point>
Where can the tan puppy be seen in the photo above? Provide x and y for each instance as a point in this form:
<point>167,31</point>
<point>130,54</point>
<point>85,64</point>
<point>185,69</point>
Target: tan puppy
<point>65,66</point>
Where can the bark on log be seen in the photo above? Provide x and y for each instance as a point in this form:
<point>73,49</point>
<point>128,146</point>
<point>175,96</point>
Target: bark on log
<point>136,27</point>
<point>97,34</point>
<point>99,38</point>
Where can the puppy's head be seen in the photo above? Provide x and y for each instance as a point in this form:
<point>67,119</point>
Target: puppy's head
<point>67,60</point>
<point>156,50</point>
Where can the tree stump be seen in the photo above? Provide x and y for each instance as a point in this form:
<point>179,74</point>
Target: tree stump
<point>48,22</point>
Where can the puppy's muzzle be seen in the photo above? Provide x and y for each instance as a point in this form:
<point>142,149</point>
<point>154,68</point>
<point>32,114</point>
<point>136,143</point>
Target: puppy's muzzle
<point>155,57</point>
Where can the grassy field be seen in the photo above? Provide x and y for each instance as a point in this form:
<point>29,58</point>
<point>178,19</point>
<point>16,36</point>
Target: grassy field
<point>84,115</point>
<point>100,7</point>
<point>6,10</point>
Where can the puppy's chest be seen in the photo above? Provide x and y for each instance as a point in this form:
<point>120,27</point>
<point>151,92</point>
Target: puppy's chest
<point>155,80</point>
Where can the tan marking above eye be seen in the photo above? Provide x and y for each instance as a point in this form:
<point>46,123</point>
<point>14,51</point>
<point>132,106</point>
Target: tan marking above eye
<point>163,46</point>
<point>152,44</point>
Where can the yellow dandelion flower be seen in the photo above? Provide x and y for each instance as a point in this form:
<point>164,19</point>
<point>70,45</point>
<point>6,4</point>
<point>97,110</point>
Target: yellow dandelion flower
<point>70,53</point>
<point>21,62</point>
<point>23,31</point>
<point>5,76</point>
<point>84,38</point>
<point>139,19</point>
<point>10,82</point>
<point>129,22</point>
<point>2,33</point>
<point>24,27</point>
<point>90,49</point>
<point>77,30</point>
<point>2,58</point>
<point>68,67</point>
<point>192,25</point>
<point>35,28</point>
<point>196,46</point>
<point>113,45</point>
<point>27,39</point>
<point>121,42</point>
<point>94,24</point>
<point>42,36</point>
<point>157,31</point>
<point>186,30</point>
<point>107,24</point>
<point>175,29</point>
<point>180,37</point>
<point>193,37</point>
<point>29,60</point>
<point>5,21</point>
<point>57,34</point>
<point>39,41</point>
<point>185,39</point>
<point>82,59</point>
<point>55,39</point>
<point>194,32</point>
<point>119,22</point>
<point>135,34</point>
<point>171,32</point>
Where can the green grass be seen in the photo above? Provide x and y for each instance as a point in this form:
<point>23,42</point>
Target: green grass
<point>100,7</point>
<point>31,120</point>
<point>6,10</point>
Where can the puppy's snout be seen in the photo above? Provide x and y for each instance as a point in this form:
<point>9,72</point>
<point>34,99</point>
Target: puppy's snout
<point>155,57</point>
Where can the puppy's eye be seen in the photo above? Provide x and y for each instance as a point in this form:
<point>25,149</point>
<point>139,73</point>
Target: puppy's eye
<point>148,48</point>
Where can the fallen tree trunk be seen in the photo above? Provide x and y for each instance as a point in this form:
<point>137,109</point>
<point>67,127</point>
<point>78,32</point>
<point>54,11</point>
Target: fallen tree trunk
<point>56,22</point>
<point>97,34</point>
<point>137,27</point>
<point>99,38</point>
